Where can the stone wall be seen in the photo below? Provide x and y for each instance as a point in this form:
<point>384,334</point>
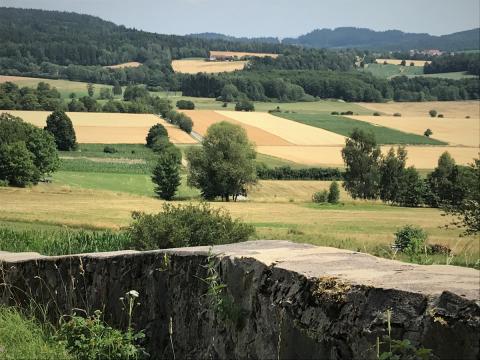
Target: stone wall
<point>281,300</point>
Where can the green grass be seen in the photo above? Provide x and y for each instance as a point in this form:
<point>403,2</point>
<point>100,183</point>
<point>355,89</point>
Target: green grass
<point>344,126</point>
<point>452,75</point>
<point>389,70</point>
<point>25,338</point>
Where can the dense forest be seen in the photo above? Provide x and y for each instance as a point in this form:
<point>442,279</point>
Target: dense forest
<point>450,63</point>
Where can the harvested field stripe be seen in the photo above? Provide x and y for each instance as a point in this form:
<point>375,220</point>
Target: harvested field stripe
<point>188,66</point>
<point>291,131</point>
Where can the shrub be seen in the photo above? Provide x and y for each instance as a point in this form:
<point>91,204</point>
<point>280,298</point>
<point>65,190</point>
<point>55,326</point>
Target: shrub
<point>334,193</point>
<point>91,338</point>
<point>109,150</point>
<point>320,197</point>
<point>187,225</point>
<point>185,105</point>
<point>244,105</point>
<point>441,116</point>
<point>410,239</point>
<point>347,113</point>
<point>225,105</point>
<point>335,113</point>
<point>428,133</point>
<point>433,113</point>
<point>397,115</point>
<point>376,114</point>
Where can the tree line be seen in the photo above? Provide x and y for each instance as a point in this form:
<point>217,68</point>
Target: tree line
<point>467,62</point>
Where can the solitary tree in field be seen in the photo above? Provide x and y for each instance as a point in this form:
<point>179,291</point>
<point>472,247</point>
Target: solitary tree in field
<point>403,63</point>
<point>361,156</point>
<point>334,193</point>
<point>166,174</point>
<point>61,127</point>
<point>90,89</point>
<point>155,133</point>
<point>225,164</point>
<point>433,113</point>
<point>428,133</point>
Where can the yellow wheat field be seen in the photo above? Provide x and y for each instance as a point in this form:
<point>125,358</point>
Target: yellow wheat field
<point>455,131</point>
<point>124,65</point>
<point>239,54</point>
<point>422,157</point>
<point>189,66</point>
<point>291,131</point>
<point>450,109</point>
<point>108,128</point>
<point>203,119</point>
<point>398,62</point>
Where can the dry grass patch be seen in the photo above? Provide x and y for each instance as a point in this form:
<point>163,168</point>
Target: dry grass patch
<point>109,128</point>
<point>131,64</point>
<point>420,63</point>
<point>422,157</point>
<point>450,109</point>
<point>239,54</point>
<point>194,66</point>
<point>203,119</point>
<point>456,131</point>
<point>291,131</point>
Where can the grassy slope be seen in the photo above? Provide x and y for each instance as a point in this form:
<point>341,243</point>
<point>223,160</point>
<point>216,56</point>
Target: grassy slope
<point>388,71</point>
<point>344,126</point>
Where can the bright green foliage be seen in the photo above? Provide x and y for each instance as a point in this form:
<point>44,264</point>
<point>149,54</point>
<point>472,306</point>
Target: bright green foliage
<point>16,165</point>
<point>334,193</point>
<point>166,174</point>
<point>361,156</point>
<point>244,105</point>
<point>155,133</point>
<point>225,164</point>
<point>391,170</point>
<point>320,197</point>
<point>185,105</point>
<point>61,127</point>
<point>24,338</point>
<point>91,338</point>
<point>410,239</point>
<point>187,225</point>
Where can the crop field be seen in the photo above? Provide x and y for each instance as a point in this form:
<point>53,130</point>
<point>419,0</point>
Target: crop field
<point>193,66</point>
<point>455,131</point>
<point>239,54</point>
<point>384,133</point>
<point>389,70</point>
<point>65,87</point>
<point>291,131</point>
<point>450,109</point>
<point>125,65</point>
<point>110,128</point>
<point>203,119</point>
<point>398,62</point>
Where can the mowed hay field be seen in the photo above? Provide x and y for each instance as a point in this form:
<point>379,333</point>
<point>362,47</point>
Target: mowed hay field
<point>450,109</point>
<point>194,66</point>
<point>241,54</point>
<point>422,157</point>
<point>398,62</point>
<point>291,131</point>
<point>455,131</point>
<point>203,119</point>
<point>107,128</point>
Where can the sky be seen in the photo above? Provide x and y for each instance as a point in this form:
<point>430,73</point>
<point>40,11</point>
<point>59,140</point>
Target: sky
<point>277,18</point>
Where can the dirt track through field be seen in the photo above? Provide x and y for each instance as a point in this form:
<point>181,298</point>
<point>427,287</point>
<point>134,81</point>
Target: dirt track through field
<point>455,131</point>
<point>203,119</point>
<point>293,132</point>
<point>188,66</point>
<point>109,128</point>
<point>422,157</point>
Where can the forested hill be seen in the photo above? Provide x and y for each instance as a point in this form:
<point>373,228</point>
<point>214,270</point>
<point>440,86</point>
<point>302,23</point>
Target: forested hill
<point>386,40</point>
<point>37,36</point>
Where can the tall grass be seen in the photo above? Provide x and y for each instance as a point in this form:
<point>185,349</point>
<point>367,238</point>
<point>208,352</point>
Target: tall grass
<point>62,242</point>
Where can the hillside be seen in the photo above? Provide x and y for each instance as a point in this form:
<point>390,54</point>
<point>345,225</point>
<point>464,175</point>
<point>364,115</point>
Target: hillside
<point>394,40</point>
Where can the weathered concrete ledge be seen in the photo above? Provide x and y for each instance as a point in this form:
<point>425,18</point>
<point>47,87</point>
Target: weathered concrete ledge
<point>281,300</point>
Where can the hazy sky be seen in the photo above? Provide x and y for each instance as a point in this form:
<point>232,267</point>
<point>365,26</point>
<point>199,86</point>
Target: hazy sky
<point>280,18</point>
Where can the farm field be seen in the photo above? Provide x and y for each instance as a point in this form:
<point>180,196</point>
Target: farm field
<point>291,131</point>
<point>124,65</point>
<point>422,157</point>
<point>455,131</point>
<point>240,54</point>
<point>419,63</point>
<point>109,128</point>
<point>450,109</point>
<point>361,226</point>
<point>389,70</point>
<point>194,66</point>
<point>384,133</point>
<point>65,87</point>
<point>203,119</point>
<point>452,75</point>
